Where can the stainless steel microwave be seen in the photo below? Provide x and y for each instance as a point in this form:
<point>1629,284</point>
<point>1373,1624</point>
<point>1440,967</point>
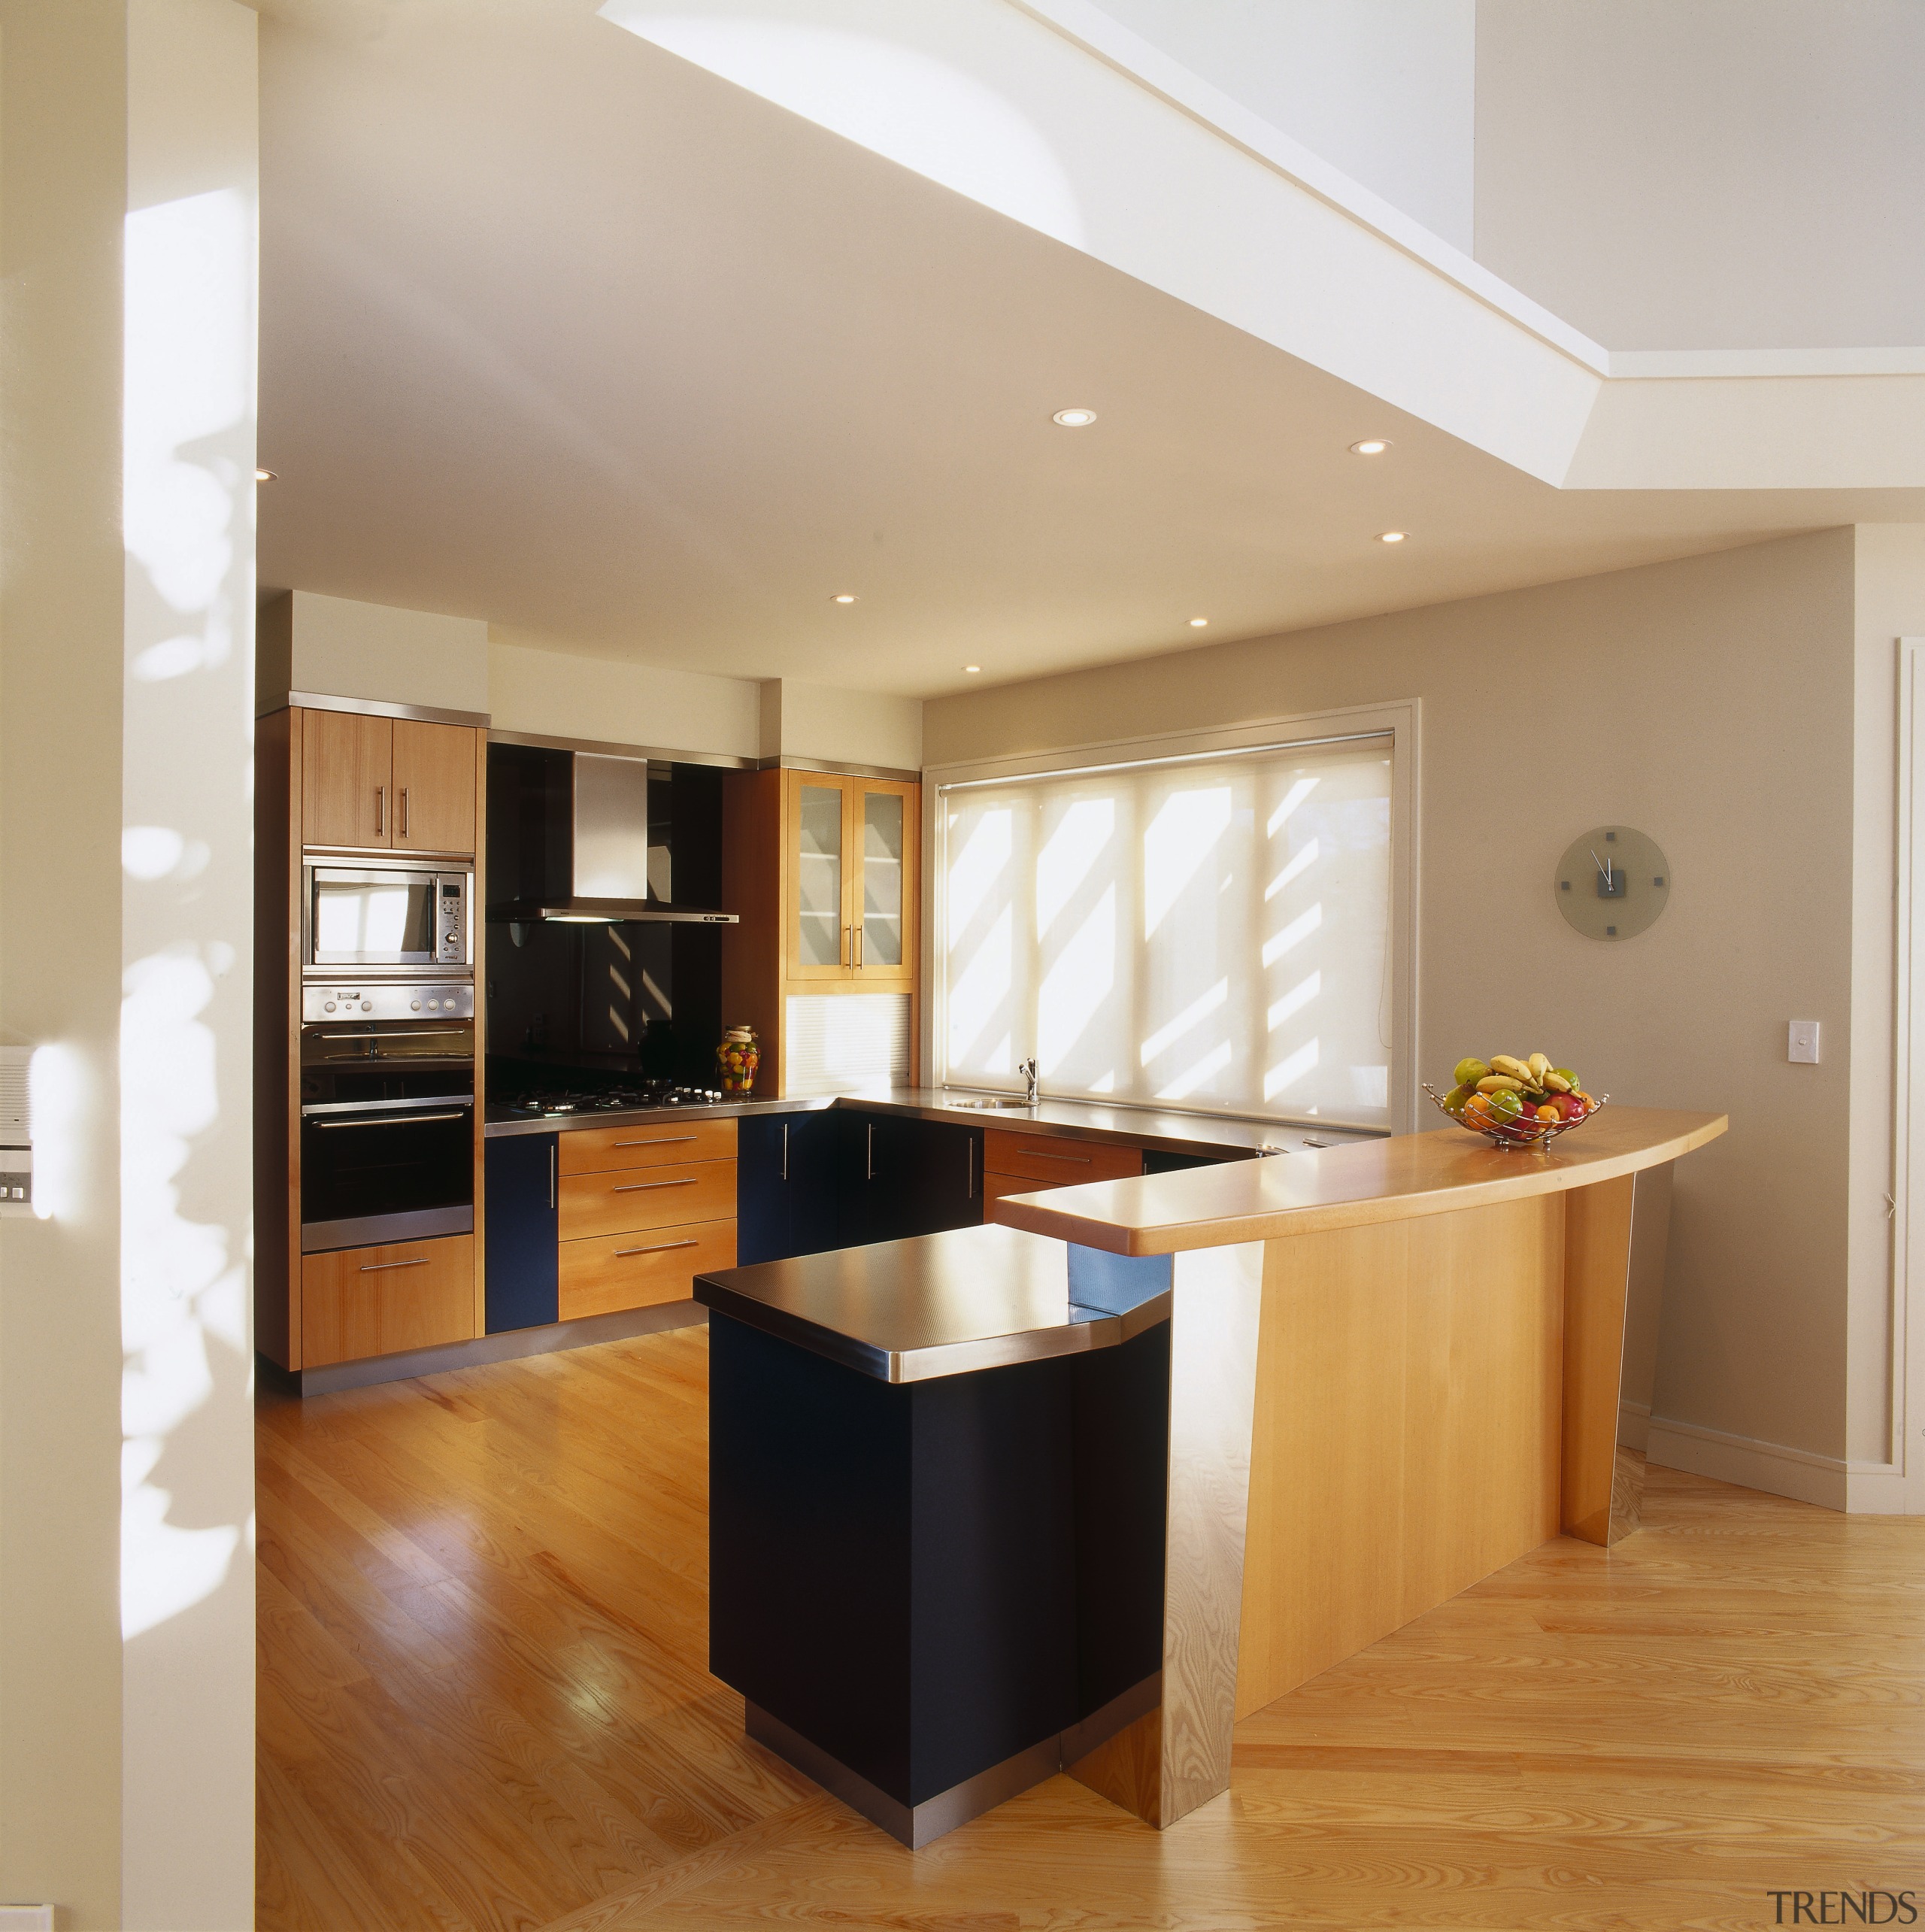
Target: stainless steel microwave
<point>386,916</point>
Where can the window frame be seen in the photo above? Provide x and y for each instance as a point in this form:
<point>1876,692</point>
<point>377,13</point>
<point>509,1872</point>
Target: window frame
<point>1398,720</point>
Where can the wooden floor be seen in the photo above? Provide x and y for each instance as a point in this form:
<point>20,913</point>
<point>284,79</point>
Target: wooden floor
<point>483,1705</point>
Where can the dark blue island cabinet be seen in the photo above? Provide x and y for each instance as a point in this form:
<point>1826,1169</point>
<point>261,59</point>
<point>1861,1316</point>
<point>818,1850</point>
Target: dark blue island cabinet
<point>523,1188</point>
<point>936,1573</point>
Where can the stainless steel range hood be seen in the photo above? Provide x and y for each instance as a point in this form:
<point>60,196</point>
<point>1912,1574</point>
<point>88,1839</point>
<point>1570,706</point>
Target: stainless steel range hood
<point>616,872</point>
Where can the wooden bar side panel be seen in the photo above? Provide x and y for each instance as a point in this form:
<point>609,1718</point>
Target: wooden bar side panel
<point>1406,1437</point>
<point>1597,1269</point>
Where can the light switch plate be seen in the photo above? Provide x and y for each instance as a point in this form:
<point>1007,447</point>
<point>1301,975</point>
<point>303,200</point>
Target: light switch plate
<point>1801,1047</point>
<point>27,1918</point>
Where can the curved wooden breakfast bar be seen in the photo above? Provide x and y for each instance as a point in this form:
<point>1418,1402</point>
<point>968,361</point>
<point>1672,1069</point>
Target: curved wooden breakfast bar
<point>1390,1369</point>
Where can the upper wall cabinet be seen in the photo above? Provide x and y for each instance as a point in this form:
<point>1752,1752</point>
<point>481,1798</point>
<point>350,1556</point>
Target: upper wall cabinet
<point>851,892</point>
<point>387,784</point>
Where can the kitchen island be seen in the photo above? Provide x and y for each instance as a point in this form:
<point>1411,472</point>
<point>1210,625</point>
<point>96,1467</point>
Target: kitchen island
<point>1382,1372</point>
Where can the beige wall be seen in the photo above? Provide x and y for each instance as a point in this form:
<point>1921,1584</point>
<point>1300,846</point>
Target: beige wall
<point>186,1568</point>
<point>841,727</point>
<point>1709,702</point>
<point>337,646</point>
<point>1728,174</point>
<point>62,198</point>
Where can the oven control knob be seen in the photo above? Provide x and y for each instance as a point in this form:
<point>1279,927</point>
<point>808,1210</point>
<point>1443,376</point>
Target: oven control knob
<point>415,1005</point>
<point>367,1006</point>
<point>328,1007</point>
<point>433,1005</point>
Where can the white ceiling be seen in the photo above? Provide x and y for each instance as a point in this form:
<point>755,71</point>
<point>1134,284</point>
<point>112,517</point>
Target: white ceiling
<point>562,332</point>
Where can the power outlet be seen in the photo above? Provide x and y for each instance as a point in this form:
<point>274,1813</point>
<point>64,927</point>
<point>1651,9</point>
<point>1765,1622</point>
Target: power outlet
<point>1801,1045</point>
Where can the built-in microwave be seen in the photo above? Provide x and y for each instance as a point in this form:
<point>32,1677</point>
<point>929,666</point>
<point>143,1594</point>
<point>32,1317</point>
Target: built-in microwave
<point>391,916</point>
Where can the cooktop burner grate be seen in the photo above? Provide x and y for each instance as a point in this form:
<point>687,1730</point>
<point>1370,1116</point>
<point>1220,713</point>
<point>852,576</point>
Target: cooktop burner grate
<point>547,1102</point>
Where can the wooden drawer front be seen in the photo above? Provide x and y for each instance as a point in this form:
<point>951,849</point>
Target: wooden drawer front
<point>376,1301</point>
<point>627,1201</point>
<point>672,1144</point>
<point>639,1270</point>
<point>1057,1160</point>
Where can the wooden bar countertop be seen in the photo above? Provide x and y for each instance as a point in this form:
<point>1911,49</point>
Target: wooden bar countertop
<point>1395,1179</point>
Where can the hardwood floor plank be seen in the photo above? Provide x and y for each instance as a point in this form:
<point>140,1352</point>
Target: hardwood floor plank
<point>484,1707</point>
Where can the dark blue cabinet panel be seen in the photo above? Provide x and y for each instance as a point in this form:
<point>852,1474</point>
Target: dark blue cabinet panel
<point>521,1230</point>
<point>901,1177</point>
<point>785,1186</point>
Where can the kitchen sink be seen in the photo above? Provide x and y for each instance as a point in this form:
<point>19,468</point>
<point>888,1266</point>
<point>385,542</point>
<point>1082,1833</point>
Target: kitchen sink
<point>995,1104</point>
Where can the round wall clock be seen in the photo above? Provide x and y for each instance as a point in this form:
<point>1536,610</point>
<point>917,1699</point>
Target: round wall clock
<point>1612,883</point>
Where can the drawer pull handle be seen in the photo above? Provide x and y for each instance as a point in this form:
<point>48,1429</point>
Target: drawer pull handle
<point>660,1248</point>
<point>375,1267</point>
<point>1046,1154</point>
<point>666,1140</point>
<point>387,1120</point>
<point>636,1187</point>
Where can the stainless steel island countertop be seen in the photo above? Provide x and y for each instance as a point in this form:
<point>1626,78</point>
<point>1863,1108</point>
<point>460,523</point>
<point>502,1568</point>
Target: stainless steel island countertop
<point>939,1304</point>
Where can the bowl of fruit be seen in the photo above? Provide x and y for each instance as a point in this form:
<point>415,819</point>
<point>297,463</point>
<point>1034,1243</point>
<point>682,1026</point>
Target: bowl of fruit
<point>1516,1102</point>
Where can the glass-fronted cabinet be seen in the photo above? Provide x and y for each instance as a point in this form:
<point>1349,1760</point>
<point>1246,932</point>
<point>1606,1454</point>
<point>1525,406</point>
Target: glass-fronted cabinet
<point>850,907</point>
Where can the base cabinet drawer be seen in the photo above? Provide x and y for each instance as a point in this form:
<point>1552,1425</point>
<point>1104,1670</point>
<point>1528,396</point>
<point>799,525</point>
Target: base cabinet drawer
<point>662,1143</point>
<point>620,1271</point>
<point>358,1302</point>
<point>629,1199</point>
<point>1056,1161</point>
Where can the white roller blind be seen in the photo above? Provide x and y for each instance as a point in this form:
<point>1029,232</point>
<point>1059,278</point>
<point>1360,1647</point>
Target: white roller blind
<point>1213,934</point>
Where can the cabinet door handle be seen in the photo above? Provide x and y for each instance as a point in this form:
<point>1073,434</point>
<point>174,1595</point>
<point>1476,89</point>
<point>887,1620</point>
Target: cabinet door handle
<point>554,1167</point>
<point>404,812</point>
<point>381,808</point>
<point>969,1146</point>
<point>785,1150</point>
<point>848,945</point>
<point>637,1187</point>
<point>871,1175</point>
<point>858,947</point>
<point>666,1140</point>
<point>375,1267</point>
<point>660,1248</point>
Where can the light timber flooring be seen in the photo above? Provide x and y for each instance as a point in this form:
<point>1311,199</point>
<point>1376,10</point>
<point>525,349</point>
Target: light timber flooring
<point>483,1705</point>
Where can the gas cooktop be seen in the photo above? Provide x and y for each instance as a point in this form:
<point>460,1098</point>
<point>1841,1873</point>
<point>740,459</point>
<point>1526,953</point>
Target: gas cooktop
<point>546,1101</point>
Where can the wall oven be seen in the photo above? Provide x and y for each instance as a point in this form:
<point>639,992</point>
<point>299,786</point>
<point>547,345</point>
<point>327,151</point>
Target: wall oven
<point>388,916</point>
<point>387,1113</point>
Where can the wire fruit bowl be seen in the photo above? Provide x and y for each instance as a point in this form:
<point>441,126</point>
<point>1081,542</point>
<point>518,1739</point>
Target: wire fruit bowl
<point>1512,1134</point>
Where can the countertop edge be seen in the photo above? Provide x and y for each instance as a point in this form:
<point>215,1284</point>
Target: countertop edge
<point>1033,1214</point>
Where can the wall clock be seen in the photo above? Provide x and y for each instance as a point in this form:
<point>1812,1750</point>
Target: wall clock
<point>1612,883</point>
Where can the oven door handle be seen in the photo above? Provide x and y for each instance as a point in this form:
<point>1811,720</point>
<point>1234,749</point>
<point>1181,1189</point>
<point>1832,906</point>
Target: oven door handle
<point>366,1107</point>
<point>387,1121</point>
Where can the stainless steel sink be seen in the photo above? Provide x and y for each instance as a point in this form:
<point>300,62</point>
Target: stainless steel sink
<point>994,1103</point>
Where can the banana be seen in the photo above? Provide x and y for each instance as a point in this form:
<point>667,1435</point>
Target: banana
<point>1499,1083</point>
<point>1557,1083</point>
<point>1540,1066</point>
<point>1503,1063</point>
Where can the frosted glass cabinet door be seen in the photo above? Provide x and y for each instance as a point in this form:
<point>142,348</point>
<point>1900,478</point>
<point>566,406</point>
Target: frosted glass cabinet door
<point>882,937</point>
<point>819,862</point>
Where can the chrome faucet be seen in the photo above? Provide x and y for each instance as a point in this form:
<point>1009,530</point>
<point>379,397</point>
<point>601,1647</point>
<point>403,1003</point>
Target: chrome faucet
<point>1027,1068</point>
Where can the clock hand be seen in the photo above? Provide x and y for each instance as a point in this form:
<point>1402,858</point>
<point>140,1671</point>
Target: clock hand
<point>1599,863</point>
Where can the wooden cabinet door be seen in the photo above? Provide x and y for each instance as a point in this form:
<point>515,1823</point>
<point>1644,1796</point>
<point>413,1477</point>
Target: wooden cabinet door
<point>433,787</point>
<point>347,780</point>
<point>357,1302</point>
<point>882,840</point>
<point>642,1270</point>
<point>818,938</point>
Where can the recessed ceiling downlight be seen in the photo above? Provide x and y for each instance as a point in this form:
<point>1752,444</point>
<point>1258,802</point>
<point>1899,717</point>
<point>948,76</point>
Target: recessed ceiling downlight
<point>843,597</point>
<point>1370,446</point>
<point>1074,419</point>
<point>1392,536</point>
<point>264,476</point>
<point>972,669</point>
<point>1197,623</point>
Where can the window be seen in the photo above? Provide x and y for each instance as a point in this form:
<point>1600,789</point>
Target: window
<point>1213,932</point>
